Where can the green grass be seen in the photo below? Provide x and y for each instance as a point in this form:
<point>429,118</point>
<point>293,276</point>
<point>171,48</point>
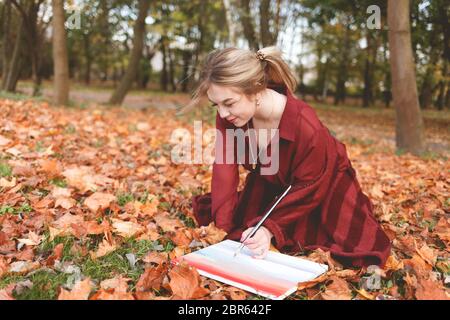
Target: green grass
<point>6,209</point>
<point>23,209</point>
<point>59,182</point>
<point>116,262</point>
<point>5,170</point>
<point>45,284</point>
<point>431,155</point>
<point>124,198</point>
<point>188,221</point>
<point>46,281</point>
<point>16,96</point>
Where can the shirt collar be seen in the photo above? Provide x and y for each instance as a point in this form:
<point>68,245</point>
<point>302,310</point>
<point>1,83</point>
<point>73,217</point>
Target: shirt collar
<point>288,121</point>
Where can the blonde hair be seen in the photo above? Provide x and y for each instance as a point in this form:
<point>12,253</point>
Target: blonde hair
<point>244,69</point>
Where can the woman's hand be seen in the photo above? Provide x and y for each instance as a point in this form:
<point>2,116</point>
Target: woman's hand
<point>259,243</point>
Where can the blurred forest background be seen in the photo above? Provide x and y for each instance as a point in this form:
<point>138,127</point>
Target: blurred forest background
<point>339,49</point>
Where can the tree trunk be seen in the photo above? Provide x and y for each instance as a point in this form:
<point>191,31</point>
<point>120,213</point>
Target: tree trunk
<point>187,58</point>
<point>164,78</point>
<point>88,57</point>
<point>29,12</point>
<point>6,39</point>
<point>60,59</point>
<point>267,38</point>
<point>247,24</point>
<point>171,54</point>
<point>14,68</point>
<point>232,27</point>
<point>342,76</point>
<point>442,99</point>
<point>409,123</point>
<point>371,55</point>
<point>444,87</point>
<point>136,54</point>
<point>105,32</point>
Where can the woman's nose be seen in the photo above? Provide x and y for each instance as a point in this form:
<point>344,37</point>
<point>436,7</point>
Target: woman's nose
<point>223,113</point>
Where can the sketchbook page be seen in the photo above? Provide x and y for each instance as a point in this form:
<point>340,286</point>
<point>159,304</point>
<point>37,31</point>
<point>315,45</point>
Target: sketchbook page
<point>274,277</point>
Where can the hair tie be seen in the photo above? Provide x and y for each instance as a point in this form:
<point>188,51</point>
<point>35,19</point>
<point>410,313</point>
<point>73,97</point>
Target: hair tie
<point>260,55</point>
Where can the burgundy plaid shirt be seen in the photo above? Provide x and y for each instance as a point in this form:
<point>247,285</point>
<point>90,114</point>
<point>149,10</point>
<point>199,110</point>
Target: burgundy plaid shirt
<point>325,207</point>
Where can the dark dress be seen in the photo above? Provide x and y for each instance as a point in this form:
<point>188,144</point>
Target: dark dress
<point>325,207</point>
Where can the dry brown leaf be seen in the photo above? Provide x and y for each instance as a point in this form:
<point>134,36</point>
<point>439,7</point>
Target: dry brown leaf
<point>152,278</point>
<point>51,167</point>
<point>166,223</point>
<point>80,291</point>
<point>156,257</point>
<point>99,200</point>
<point>56,255</point>
<point>427,254</point>
<point>23,267</point>
<point>430,290</point>
<point>126,229</point>
<point>337,290</point>
<point>104,248</point>
<point>32,240</point>
<point>6,293</point>
<point>309,284</point>
<point>210,233</point>
<point>184,282</point>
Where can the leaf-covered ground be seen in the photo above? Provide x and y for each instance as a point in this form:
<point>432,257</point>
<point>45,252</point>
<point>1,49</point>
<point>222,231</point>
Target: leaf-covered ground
<point>91,207</point>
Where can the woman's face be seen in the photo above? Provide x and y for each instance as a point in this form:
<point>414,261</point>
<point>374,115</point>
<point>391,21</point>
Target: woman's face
<point>231,104</point>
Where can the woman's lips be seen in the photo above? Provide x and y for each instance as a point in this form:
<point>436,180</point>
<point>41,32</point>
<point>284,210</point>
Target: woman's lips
<point>232,119</point>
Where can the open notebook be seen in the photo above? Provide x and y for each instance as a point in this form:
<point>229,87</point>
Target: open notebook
<point>274,277</point>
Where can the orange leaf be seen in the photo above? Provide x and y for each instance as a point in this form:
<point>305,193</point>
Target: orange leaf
<point>80,291</point>
<point>152,278</point>
<point>184,282</point>
<point>338,290</point>
<point>104,248</point>
<point>430,290</point>
<point>99,200</point>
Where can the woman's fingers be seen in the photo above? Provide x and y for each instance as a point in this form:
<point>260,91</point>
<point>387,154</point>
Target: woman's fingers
<point>253,246</point>
<point>258,237</point>
<point>244,234</point>
<point>262,256</point>
<point>260,253</point>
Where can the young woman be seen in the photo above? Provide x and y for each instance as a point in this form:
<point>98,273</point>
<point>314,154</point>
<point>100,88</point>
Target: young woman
<point>325,208</point>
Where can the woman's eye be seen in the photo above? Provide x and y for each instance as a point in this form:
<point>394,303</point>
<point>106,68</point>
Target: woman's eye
<point>227,105</point>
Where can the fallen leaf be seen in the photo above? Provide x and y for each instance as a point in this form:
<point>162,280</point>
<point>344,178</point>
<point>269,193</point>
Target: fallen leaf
<point>32,240</point>
<point>210,234</point>
<point>104,248</point>
<point>184,282</point>
<point>6,293</point>
<point>337,290</point>
<point>23,267</point>
<point>152,278</point>
<point>80,291</point>
<point>166,223</point>
<point>430,290</point>
<point>155,257</point>
<point>126,229</point>
<point>99,200</point>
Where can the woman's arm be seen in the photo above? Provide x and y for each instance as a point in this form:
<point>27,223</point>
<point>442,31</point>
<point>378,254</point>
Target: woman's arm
<point>311,178</point>
<point>225,181</point>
